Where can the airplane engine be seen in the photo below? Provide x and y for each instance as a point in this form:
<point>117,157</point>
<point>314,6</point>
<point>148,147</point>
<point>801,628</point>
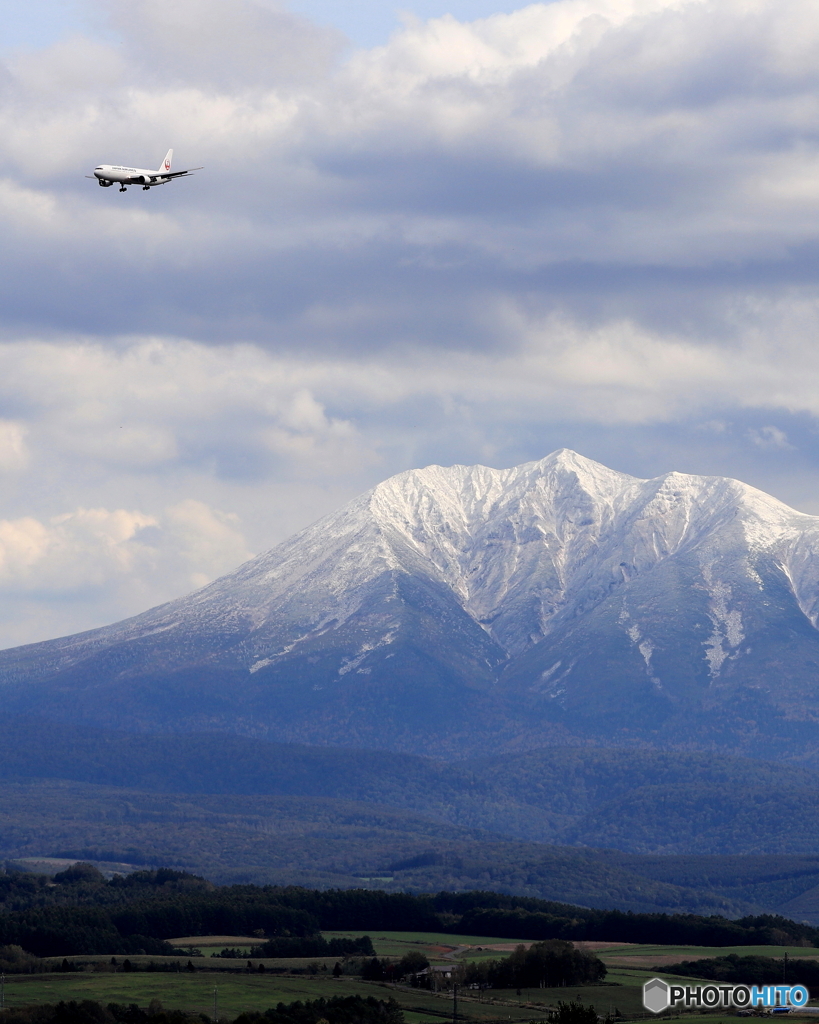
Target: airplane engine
<point>146,179</point>
<point>105,184</point>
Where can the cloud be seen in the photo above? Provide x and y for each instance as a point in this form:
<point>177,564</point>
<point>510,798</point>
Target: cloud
<point>72,551</point>
<point>587,222</point>
<point>208,542</point>
<point>153,403</point>
<point>226,450</point>
<point>224,45</point>
<point>13,451</point>
<point>602,157</point>
<point>161,408</point>
<point>770,439</point>
<point>125,560</point>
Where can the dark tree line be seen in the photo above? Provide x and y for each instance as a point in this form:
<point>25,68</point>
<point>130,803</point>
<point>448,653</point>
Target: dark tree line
<point>384,969</point>
<point>751,970</point>
<point>314,945</point>
<point>337,1010</point>
<point>83,914</point>
<point>619,926</point>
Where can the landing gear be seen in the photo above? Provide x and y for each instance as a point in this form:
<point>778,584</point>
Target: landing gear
<point>145,188</point>
<point>122,188</point>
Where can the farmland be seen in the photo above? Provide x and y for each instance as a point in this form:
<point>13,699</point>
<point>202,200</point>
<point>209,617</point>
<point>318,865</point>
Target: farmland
<point>238,989</point>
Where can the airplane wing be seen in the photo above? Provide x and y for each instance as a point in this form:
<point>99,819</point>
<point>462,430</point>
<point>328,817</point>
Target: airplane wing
<point>155,179</point>
<point>158,178</point>
<point>176,174</point>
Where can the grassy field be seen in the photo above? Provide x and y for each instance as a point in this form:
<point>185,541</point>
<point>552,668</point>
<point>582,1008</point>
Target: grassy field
<point>394,944</point>
<point>216,943</point>
<point>677,953</point>
<point>432,944</point>
<point>184,991</point>
<point>629,966</point>
<point>644,957</point>
<point>237,992</point>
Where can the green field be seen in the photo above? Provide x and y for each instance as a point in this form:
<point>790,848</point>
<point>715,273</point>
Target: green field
<point>240,990</point>
<point>237,992</point>
<point>191,992</point>
<point>433,944</point>
<point>700,952</point>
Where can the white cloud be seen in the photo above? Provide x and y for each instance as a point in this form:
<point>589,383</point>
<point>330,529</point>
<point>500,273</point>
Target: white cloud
<point>153,403</point>
<point>770,439</point>
<point>280,439</point>
<point>621,133</point>
<point>207,541</point>
<point>13,450</point>
<point>474,242</point>
<point>72,551</point>
<point>23,543</point>
<point>221,44</point>
<point>97,564</point>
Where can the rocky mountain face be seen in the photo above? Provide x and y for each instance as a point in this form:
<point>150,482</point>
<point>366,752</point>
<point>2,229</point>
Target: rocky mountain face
<point>467,610</point>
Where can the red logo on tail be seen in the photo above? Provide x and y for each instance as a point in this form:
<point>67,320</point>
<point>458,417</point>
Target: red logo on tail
<point>167,165</point>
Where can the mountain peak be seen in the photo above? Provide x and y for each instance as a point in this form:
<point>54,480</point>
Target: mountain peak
<point>566,458</point>
<point>558,599</point>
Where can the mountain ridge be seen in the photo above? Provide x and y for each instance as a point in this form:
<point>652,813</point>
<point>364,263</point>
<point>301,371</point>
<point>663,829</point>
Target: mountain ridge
<point>554,602</point>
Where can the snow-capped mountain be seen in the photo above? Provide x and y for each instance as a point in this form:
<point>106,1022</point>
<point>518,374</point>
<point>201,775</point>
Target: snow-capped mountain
<point>453,608</point>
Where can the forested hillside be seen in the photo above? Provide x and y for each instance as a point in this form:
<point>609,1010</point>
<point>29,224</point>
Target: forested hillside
<point>333,843</point>
<point>580,825</point>
<point>81,912</point>
<point>635,800</point>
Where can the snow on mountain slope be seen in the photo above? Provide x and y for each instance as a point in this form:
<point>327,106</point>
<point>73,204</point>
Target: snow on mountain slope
<point>557,595</point>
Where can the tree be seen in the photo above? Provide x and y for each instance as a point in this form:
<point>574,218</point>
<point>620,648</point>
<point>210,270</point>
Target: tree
<point>15,960</point>
<point>373,970</point>
<point>550,963</point>
<point>412,963</point>
<point>574,1013</point>
<point>80,872</point>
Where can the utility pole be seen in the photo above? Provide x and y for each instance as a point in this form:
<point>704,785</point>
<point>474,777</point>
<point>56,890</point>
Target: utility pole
<point>785,968</point>
<point>215,1010</point>
<point>454,1004</point>
<point>2,991</point>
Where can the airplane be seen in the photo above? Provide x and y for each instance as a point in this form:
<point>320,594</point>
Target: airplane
<point>108,174</point>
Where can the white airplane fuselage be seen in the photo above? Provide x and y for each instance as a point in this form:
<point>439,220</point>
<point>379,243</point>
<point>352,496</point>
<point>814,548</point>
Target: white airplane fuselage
<point>128,175</point>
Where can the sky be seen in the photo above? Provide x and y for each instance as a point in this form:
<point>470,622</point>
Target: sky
<point>472,232</point>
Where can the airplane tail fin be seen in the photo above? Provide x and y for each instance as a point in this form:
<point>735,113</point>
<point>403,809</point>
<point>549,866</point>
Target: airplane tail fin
<point>165,166</point>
